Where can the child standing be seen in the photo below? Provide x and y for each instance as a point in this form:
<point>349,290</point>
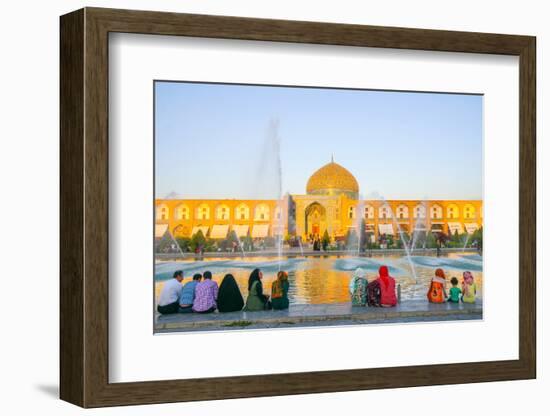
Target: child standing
<point>455,292</point>
<point>468,288</point>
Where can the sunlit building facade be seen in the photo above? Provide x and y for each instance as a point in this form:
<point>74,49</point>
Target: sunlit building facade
<point>331,203</point>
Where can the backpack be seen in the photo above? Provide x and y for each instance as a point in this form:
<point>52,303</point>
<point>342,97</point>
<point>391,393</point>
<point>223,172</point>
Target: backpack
<point>373,293</point>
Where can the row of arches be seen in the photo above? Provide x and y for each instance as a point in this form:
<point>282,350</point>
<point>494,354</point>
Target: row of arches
<point>419,211</point>
<point>261,212</point>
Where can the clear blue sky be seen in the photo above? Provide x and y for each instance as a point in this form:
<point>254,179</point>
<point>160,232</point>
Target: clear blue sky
<point>215,141</point>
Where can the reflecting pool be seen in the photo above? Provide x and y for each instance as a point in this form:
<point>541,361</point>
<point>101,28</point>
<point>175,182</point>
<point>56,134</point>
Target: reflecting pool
<point>325,279</point>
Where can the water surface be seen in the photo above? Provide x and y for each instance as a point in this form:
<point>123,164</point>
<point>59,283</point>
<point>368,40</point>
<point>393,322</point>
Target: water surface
<point>325,279</point>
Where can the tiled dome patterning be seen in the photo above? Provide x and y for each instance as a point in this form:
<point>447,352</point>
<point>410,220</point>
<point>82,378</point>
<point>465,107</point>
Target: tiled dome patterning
<point>332,179</point>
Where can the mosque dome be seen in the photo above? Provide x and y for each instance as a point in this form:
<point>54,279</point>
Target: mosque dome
<point>332,179</point>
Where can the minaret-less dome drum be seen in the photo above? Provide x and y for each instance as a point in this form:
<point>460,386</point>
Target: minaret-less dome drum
<point>332,179</point>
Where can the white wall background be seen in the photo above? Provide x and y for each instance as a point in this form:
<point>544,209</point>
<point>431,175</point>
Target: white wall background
<point>29,171</point>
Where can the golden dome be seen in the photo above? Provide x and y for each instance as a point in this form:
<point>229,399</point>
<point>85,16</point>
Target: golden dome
<point>332,179</point>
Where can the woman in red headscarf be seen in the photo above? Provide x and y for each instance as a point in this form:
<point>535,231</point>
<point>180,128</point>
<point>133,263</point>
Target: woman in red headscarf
<point>437,292</point>
<point>387,287</point>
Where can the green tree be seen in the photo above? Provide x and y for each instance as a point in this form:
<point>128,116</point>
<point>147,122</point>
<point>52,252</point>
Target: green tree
<point>478,236</point>
<point>232,237</point>
<point>184,243</point>
<point>197,240</point>
<point>248,243</point>
<point>325,240</point>
<point>455,238</point>
<point>430,240</point>
<point>398,243</point>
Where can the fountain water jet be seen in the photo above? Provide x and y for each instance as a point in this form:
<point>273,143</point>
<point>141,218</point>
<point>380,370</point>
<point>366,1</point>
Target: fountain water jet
<point>466,242</point>
<point>359,215</point>
<point>405,243</point>
<point>270,169</point>
<point>240,244</point>
<point>301,247</point>
<point>168,236</point>
<point>421,220</point>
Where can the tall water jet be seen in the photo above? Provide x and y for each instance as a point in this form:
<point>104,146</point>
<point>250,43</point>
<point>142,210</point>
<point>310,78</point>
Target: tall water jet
<point>420,212</point>
<point>240,245</point>
<point>273,146</point>
<point>301,247</point>
<point>168,238</point>
<point>403,241</point>
<point>426,216</point>
<point>279,221</point>
<point>359,216</point>
<point>466,241</point>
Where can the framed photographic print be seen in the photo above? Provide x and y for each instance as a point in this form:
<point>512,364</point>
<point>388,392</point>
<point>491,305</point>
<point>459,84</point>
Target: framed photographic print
<point>250,189</point>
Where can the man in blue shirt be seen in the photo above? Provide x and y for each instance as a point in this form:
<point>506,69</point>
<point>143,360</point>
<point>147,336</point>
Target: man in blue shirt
<point>188,294</point>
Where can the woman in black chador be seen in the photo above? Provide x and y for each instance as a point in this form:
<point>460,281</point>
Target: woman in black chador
<point>229,295</point>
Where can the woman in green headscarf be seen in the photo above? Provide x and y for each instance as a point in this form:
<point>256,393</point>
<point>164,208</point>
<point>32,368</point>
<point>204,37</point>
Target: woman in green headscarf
<point>256,300</point>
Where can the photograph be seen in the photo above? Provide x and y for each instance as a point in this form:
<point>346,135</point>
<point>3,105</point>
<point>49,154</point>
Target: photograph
<point>280,207</point>
<point>296,206</point>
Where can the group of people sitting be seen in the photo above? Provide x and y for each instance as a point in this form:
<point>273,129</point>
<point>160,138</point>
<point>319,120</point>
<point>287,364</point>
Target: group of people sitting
<point>437,292</point>
<point>381,291</point>
<point>202,294</point>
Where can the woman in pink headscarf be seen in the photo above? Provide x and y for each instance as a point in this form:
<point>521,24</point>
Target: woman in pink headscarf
<point>468,288</point>
<point>387,288</point>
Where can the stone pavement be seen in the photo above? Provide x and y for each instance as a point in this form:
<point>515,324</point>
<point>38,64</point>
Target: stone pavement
<point>319,315</point>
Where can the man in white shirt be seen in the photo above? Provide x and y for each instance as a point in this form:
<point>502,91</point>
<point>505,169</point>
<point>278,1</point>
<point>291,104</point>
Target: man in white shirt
<point>170,294</point>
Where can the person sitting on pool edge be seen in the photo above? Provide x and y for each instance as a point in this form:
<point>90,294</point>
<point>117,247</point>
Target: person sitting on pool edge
<point>188,294</point>
<point>436,292</point>
<point>279,291</point>
<point>469,288</point>
<point>454,292</point>
<point>170,295</point>
<point>358,287</point>
<point>206,295</point>
<point>256,300</point>
<point>387,288</point>
<point>229,295</point>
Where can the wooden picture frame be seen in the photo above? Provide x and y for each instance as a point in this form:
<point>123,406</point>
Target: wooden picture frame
<point>84,207</point>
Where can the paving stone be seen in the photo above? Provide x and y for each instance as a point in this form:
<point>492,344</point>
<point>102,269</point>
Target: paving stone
<point>308,315</point>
